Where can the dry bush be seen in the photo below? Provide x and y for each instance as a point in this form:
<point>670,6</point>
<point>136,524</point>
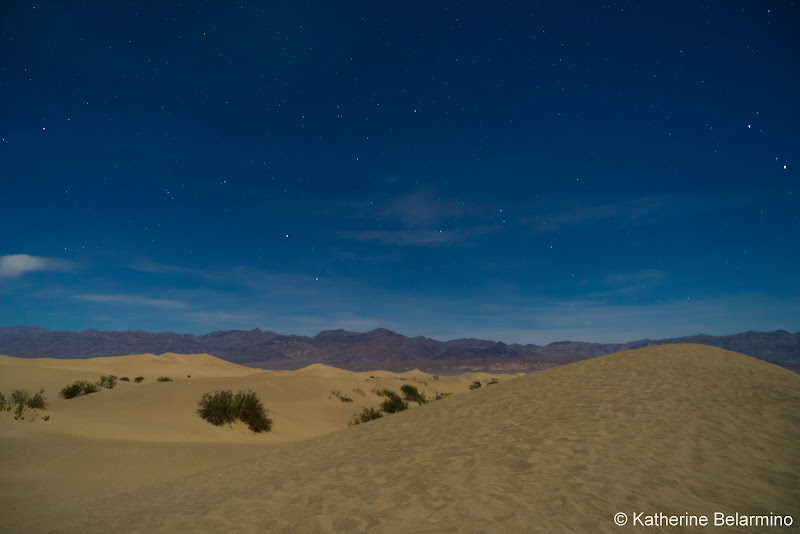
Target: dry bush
<point>393,402</point>
<point>366,415</point>
<point>410,393</point>
<point>338,394</point>
<point>224,407</point>
<point>78,388</point>
<point>107,381</point>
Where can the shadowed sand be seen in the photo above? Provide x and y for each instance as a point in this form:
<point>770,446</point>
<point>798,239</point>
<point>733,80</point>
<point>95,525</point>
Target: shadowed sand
<point>672,429</point>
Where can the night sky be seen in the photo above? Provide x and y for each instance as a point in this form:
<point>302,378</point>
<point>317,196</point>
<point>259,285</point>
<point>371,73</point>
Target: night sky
<point>519,171</point>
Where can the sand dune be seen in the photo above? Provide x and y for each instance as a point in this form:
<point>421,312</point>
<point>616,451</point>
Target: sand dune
<point>673,429</point>
<point>117,440</point>
<point>299,401</point>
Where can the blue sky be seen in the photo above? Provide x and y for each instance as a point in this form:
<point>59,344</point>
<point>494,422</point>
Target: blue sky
<point>600,172</point>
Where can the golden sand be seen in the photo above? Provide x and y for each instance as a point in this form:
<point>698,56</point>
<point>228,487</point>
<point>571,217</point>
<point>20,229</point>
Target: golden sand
<point>672,429</point>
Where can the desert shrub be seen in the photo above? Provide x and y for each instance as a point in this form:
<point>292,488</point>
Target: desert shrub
<point>338,394</point>
<point>475,385</point>
<point>218,408</point>
<point>410,393</point>
<point>37,401</point>
<point>138,379</point>
<point>22,398</point>
<point>164,379</point>
<point>73,390</point>
<point>492,381</point>
<point>393,402</point>
<point>224,407</point>
<point>78,388</point>
<point>359,391</point>
<point>188,376</point>
<point>366,415</point>
<point>250,411</point>
<point>442,395</point>
<point>436,377</point>
<point>19,396</point>
<point>107,381</point>
<point>124,379</point>
<point>46,418</point>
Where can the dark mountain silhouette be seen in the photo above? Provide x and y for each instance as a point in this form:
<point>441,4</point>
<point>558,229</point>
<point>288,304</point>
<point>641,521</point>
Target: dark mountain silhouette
<point>377,349</point>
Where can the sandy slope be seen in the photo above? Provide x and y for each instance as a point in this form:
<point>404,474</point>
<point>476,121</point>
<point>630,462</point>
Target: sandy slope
<point>136,434</point>
<point>672,429</point>
<point>299,401</point>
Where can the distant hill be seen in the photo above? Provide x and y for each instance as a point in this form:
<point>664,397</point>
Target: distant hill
<point>377,349</point>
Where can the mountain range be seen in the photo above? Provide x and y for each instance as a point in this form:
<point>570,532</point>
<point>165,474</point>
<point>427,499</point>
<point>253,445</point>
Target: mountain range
<point>377,349</point>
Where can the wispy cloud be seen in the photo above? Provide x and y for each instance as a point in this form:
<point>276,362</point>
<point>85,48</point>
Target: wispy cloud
<point>132,300</point>
<point>425,218</point>
<point>420,209</point>
<point>557,213</point>
<point>149,266</point>
<point>629,284</point>
<point>229,275</point>
<point>422,218</point>
<point>642,276</point>
<point>425,209</point>
<point>420,237</point>
<point>13,265</point>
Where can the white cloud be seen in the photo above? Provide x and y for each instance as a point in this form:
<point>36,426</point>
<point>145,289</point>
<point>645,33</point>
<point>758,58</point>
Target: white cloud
<point>13,265</point>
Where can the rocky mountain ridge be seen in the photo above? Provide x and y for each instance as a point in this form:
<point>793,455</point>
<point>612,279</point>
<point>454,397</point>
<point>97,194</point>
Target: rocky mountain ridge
<point>377,349</point>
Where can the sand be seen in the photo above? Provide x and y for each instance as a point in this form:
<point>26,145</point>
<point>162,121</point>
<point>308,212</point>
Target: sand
<point>670,429</point>
<point>117,440</point>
